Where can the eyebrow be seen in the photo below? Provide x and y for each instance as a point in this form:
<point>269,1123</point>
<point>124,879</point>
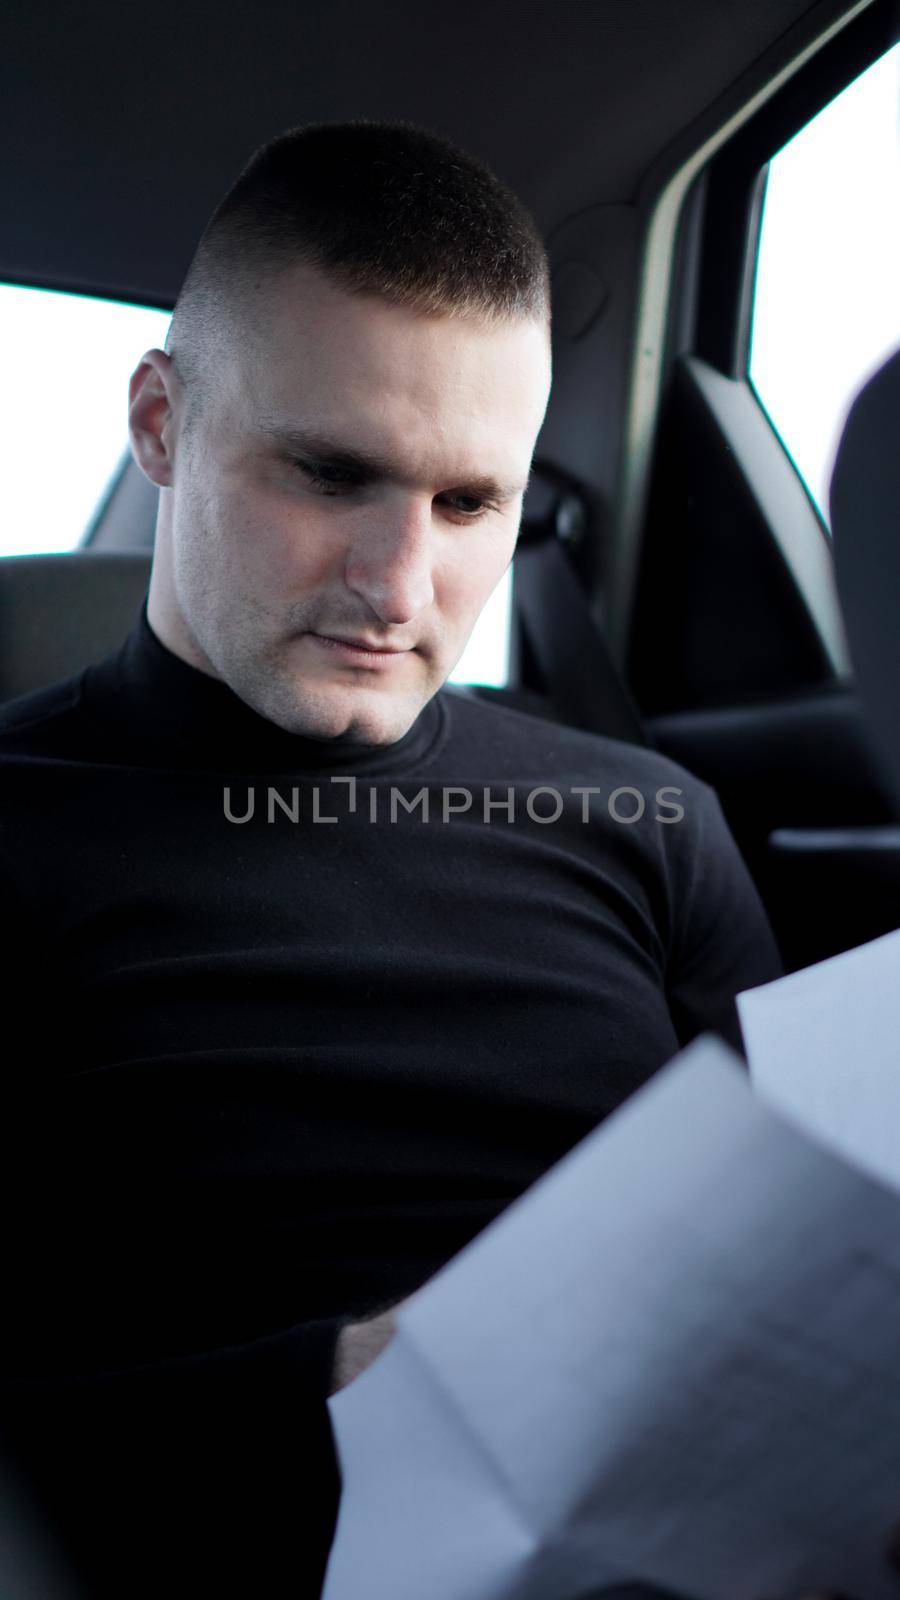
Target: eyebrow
<point>317,447</point>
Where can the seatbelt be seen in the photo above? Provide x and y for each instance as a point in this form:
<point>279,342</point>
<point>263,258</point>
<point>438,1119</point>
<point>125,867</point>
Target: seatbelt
<point>568,648</point>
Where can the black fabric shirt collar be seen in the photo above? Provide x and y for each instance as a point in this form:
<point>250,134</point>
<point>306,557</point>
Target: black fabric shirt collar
<point>171,712</point>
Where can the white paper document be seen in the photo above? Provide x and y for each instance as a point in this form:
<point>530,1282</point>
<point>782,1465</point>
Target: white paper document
<point>675,1360</point>
<point>824,1049</point>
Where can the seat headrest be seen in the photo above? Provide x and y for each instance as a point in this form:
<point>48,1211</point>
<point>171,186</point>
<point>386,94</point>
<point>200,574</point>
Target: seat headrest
<point>865,521</point>
<point>58,613</point>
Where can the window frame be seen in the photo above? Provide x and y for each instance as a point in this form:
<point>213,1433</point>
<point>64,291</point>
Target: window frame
<point>734,185</point>
<point>700,208</point>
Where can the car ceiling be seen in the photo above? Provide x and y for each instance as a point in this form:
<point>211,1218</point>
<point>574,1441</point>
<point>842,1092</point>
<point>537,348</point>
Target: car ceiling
<point>124,125</point>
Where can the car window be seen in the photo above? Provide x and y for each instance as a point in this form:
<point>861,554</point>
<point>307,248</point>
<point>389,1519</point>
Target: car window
<point>826,308</point>
<point>67,359</point>
<point>486,656</point>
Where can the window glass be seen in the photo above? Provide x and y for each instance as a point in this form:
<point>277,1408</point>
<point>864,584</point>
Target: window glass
<point>67,359</point>
<point>486,656</point>
<point>827,298</point>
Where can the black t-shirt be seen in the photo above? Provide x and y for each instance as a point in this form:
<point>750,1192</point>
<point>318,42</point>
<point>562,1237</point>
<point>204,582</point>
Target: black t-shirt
<point>300,1018</point>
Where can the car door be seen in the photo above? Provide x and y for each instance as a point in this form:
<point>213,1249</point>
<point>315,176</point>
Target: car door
<point>734,642</point>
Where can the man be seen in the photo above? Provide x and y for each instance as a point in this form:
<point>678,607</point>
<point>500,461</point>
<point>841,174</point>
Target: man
<point>323,964</point>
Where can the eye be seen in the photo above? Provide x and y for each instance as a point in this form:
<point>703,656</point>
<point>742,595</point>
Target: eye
<point>327,477</point>
<point>468,506</point>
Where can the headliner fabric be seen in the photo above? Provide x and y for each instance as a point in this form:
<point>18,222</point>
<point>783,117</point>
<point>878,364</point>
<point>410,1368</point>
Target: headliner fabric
<point>116,149</point>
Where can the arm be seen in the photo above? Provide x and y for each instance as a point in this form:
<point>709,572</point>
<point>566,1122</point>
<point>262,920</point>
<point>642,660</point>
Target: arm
<point>205,1473</point>
<point>358,1344</point>
<point>210,1475</point>
<point>722,940</point>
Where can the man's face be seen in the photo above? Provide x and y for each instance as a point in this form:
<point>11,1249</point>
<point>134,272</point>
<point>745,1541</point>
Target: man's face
<point>343,501</point>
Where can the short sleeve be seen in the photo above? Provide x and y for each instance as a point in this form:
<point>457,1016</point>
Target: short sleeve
<point>722,942</point>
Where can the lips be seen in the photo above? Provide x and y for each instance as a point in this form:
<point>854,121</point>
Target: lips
<point>361,644</point>
<point>358,653</point>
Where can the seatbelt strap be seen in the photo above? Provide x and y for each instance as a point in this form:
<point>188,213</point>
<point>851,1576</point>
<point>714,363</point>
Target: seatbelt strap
<point>568,649</point>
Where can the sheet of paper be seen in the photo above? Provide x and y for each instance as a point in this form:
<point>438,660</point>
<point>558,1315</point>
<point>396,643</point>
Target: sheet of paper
<point>824,1049</point>
<point>675,1360</point>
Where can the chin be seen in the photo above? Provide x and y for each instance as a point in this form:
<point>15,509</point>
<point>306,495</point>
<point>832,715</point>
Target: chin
<point>367,728</point>
<point>357,718</point>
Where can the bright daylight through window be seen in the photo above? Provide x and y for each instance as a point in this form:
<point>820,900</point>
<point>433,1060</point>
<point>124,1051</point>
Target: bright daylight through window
<point>827,303</point>
<point>67,360</point>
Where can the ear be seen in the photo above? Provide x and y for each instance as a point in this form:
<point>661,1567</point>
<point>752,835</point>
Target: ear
<point>153,403</point>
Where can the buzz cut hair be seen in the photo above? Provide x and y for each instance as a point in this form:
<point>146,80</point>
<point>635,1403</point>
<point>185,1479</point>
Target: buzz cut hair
<point>385,209</point>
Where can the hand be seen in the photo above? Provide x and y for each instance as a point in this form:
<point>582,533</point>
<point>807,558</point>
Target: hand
<point>357,1346</point>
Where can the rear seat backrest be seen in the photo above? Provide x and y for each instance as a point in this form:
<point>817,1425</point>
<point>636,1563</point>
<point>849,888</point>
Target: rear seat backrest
<point>58,613</point>
<point>865,518</point>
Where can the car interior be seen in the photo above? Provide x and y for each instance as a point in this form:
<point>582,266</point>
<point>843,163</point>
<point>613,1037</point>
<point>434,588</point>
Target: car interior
<point>674,581</point>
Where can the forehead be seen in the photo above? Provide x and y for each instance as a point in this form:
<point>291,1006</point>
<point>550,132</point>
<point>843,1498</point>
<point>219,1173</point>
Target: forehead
<point>312,355</point>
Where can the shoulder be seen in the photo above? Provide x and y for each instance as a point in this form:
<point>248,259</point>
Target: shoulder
<point>40,722</point>
<point>503,740</point>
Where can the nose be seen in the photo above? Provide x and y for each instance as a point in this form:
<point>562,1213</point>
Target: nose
<point>390,564</point>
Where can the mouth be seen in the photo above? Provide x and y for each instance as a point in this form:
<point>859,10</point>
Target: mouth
<point>359,651</point>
